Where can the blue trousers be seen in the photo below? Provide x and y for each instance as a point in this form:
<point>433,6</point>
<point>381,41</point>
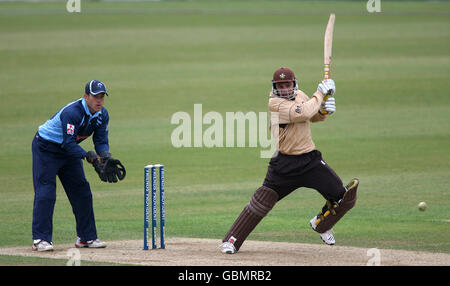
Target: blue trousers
<point>49,161</point>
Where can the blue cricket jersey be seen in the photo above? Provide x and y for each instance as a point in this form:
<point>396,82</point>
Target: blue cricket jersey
<point>74,123</point>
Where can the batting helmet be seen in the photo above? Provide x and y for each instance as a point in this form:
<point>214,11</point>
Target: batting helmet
<point>284,74</point>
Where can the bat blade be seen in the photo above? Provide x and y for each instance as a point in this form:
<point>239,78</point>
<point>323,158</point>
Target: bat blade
<point>327,46</point>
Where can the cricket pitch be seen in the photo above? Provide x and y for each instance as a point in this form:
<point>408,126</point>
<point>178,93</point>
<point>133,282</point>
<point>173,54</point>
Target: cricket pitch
<point>206,252</point>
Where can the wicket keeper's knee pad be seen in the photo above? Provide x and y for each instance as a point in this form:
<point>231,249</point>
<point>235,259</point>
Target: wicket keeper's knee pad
<point>334,211</point>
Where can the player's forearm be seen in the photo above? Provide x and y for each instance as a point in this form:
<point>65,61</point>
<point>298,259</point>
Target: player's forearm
<point>101,141</point>
<point>307,110</point>
<point>100,148</point>
<point>318,117</point>
<point>73,149</point>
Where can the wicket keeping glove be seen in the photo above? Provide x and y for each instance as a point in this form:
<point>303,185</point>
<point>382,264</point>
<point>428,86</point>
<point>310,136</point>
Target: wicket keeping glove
<point>94,159</point>
<point>107,168</point>
<point>91,156</point>
<point>114,170</point>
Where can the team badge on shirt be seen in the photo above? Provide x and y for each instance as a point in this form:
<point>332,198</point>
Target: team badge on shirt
<point>70,129</point>
<point>298,109</point>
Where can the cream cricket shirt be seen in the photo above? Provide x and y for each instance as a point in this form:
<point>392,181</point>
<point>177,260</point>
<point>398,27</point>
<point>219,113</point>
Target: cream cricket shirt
<point>294,132</point>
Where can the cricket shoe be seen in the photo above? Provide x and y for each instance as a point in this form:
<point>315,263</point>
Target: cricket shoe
<point>90,243</point>
<point>41,245</point>
<point>327,236</point>
<point>228,248</point>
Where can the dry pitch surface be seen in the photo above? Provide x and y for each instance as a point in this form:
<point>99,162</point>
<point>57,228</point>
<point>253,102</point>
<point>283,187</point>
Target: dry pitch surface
<point>205,252</point>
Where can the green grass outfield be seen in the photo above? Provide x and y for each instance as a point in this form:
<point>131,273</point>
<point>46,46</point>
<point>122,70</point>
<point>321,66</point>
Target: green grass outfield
<point>391,129</point>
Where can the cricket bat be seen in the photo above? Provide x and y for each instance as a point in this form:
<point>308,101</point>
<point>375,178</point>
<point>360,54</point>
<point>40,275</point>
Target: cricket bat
<point>327,47</point>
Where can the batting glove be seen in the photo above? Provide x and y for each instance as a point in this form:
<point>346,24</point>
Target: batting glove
<point>327,87</point>
<point>329,106</point>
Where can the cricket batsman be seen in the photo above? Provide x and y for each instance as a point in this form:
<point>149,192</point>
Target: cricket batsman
<point>297,163</point>
<point>56,152</point>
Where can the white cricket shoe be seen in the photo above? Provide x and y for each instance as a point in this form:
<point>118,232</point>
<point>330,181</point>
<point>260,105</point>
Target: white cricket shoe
<point>41,245</point>
<point>327,236</point>
<point>228,248</point>
<point>90,244</point>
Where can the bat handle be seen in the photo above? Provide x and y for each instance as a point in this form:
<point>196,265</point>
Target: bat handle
<point>326,71</point>
<point>326,75</point>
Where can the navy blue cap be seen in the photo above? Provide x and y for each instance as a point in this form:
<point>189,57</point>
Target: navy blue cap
<point>95,87</point>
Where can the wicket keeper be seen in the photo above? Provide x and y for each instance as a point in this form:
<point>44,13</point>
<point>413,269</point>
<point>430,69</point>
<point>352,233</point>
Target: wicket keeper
<point>56,152</point>
<point>297,163</point>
